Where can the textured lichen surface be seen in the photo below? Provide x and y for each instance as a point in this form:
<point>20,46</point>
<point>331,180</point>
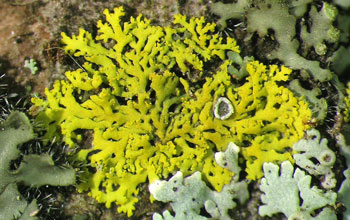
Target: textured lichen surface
<point>14,131</point>
<point>317,104</point>
<point>34,170</point>
<point>280,19</point>
<point>344,190</point>
<point>304,201</point>
<point>312,147</point>
<point>188,196</point>
<point>147,96</point>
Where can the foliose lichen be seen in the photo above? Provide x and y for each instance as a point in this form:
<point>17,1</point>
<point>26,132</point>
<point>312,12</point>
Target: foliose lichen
<point>344,190</point>
<point>317,104</point>
<point>281,17</point>
<point>34,170</point>
<point>31,65</point>
<point>188,195</point>
<point>312,148</point>
<point>295,198</point>
<point>321,31</point>
<point>147,93</point>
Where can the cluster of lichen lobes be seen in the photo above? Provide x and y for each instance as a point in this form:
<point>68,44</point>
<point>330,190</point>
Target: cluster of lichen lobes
<point>34,170</point>
<point>149,119</point>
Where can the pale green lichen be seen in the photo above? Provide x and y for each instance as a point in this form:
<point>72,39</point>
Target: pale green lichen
<point>343,3</point>
<point>34,170</point>
<point>344,190</point>
<point>281,17</point>
<point>343,194</point>
<point>321,31</point>
<point>312,147</point>
<point>317,104</point>
<point>187,196</point>
<point>289,192</point>
<point>273,15</point>
<point>31,65</point>
<point>298,7</point>
<point>234,10</point>
<point>229,159</point>
<point>340,61</point>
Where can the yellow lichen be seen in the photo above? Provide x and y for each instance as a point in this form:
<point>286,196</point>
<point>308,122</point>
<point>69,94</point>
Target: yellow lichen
<point>347,104</point>
<point>149,114</point>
